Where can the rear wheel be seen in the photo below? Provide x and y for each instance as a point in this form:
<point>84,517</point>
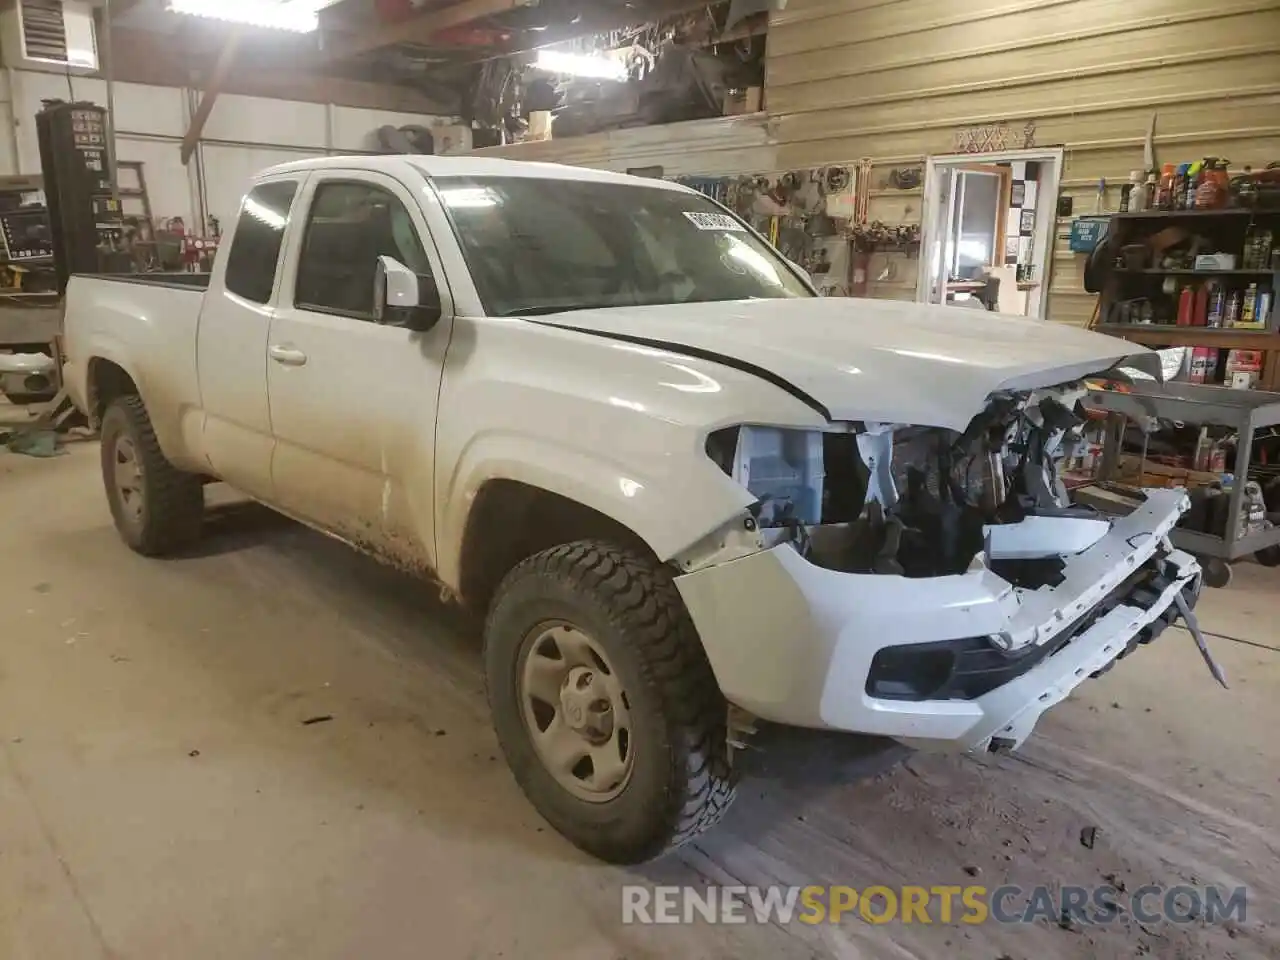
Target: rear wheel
<point>604,702</point>
<point>157,508</point>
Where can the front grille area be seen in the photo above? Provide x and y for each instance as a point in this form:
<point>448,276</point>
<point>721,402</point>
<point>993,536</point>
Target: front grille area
<point>970,667</point>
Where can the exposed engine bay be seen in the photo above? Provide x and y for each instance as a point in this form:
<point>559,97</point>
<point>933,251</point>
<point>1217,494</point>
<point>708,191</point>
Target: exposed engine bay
<point>922,501</point>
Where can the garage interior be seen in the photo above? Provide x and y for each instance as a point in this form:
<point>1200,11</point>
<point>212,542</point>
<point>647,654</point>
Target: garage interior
<point>272,746</point>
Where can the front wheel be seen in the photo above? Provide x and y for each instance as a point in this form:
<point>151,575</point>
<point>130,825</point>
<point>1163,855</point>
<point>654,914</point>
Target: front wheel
<point>604,702</point>
<point>157,508</point>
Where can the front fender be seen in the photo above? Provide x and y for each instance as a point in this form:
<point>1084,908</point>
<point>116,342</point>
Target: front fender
<point>615,427</point>
<point>667,513</point>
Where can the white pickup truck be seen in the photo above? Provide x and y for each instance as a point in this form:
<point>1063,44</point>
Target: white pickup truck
<point>688,494</point>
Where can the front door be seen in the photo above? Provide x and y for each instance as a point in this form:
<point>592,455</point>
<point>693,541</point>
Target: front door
<point>353,401</point>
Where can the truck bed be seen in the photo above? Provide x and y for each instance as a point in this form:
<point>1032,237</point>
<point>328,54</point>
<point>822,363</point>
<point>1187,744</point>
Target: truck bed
<point>119,318</point>
<point>180,281</point>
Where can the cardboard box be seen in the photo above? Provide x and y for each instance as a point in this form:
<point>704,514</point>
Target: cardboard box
<point>1244,369</point>
<point>1204,365</point>
<point>1155,474</point>
<point>1216,261</point>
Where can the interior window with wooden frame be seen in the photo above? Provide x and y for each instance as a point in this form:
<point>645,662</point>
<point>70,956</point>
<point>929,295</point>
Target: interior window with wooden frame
<point>982,213</point>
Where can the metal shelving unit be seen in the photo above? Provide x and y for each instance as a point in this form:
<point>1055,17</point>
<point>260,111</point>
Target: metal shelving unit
<point>1243,410</point>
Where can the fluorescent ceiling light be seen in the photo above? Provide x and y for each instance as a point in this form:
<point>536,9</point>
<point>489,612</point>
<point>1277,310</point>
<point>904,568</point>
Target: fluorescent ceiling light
<point>579,65</point>
<point>297,15</point>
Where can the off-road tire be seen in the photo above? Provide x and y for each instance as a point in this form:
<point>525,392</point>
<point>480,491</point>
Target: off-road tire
<point>682,782</point>
<point>173,500</point>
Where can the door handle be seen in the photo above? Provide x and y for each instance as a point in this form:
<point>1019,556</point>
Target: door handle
<point>289,356</point>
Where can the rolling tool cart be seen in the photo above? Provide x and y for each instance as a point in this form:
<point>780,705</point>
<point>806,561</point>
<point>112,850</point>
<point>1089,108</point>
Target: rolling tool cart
<point>1228,519</point>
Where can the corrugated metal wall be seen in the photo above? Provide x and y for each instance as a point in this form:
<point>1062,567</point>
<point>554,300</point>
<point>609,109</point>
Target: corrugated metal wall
<point>893,80</point>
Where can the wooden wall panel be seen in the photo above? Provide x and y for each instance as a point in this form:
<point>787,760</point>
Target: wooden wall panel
<point>893,80</point>
<point>807,54</point>
<point>727,145</point>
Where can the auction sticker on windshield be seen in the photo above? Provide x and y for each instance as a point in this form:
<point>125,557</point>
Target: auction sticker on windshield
<point>714,221</point>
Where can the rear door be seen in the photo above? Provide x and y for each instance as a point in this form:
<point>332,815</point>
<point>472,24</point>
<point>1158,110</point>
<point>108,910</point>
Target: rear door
<point>231,348</point>
<point>353,401</point>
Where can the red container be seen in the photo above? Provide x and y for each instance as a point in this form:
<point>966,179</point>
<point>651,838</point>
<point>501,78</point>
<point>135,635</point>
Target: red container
<point>1200,312</point>
<point>1186,307</point>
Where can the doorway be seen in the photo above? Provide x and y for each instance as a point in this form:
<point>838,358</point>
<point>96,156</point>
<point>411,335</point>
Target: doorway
<point>987,229</point>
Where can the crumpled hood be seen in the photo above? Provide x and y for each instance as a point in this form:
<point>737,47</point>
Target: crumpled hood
<point>874,360</point>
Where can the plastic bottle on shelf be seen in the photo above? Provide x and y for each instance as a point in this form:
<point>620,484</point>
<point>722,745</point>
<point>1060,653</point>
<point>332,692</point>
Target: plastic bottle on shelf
<point>1263,256</point>
<point>1128,190</point>
<point>1193,182</point>
<point>1179,199</point>
<point>1200,309</point>
<point>1249,305</point>
<point>1164,196</point>
<point>1217,304</point>
<point>1137,196</point>
<point>1217,458</point>
<point>1203,447</point>
<point>1214,184</point>
<point>1232,316</point>
<point>1186,306</point>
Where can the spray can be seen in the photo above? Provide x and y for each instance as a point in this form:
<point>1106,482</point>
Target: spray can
<point>1232,316</point>
<point>1193,181</point>
<point>1217,305</point>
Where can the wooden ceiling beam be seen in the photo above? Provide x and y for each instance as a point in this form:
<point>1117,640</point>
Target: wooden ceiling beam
<point>221,70</point>
<point>143,57</point>
<point>596,21</point>
<point>417,29</point>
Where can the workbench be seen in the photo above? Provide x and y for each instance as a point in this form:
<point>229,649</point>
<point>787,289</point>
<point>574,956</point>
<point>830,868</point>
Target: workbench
<point>35,324</point>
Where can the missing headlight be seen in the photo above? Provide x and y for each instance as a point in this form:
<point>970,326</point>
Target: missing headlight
<point>782,468</point>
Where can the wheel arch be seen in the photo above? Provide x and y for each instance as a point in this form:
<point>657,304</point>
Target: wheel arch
<point>105,381</point>
<point>511,520</point>
<point>663,508</point>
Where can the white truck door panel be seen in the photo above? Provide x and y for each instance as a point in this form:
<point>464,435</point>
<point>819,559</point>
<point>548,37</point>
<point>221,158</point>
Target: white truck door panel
<point>353,401</point>
<point>231,350</point>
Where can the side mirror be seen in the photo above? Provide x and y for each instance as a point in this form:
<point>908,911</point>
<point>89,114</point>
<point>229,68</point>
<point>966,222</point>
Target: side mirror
<point>404,298</point>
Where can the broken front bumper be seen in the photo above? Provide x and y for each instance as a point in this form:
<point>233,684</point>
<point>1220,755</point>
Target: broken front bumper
<point>914,659</point>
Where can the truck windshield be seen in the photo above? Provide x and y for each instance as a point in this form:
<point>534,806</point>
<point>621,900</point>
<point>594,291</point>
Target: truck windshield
<point>537,245</point>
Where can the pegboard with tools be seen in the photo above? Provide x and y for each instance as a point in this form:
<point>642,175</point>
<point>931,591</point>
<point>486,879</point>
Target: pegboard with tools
<point>804,213</point>
<point>817,218</point>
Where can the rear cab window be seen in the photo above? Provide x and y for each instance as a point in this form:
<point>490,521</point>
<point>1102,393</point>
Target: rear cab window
<point>254,256</point>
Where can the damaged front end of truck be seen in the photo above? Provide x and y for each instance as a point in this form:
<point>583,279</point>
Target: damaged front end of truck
<point>924,583</point>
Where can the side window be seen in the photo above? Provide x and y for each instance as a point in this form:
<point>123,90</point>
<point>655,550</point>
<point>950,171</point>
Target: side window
<point>255,249</point>
<point>350,226</point>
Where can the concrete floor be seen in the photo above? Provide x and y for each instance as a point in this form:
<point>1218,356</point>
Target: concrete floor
<point>162,796</point>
